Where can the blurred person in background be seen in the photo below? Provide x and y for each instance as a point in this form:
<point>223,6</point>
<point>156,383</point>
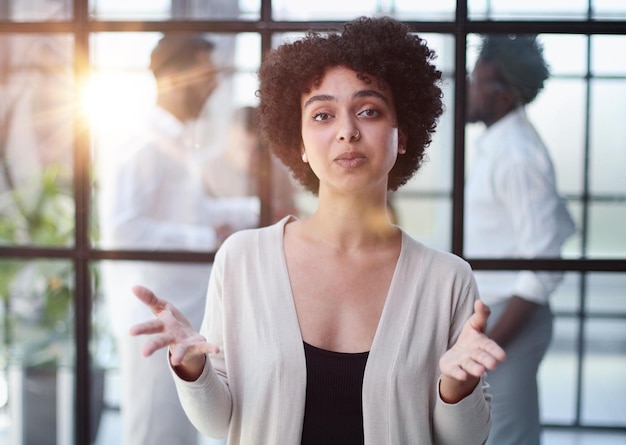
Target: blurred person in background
<point>513,210</point>
<point>155,199</point>
<point>237,169</point>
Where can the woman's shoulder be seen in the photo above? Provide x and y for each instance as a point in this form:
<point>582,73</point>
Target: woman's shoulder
<point>433,257</point>
<point>248,240</point>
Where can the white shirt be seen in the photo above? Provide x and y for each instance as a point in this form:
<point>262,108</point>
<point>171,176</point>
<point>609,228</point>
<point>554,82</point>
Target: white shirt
<point>154,199</point>
<point>513,209</point>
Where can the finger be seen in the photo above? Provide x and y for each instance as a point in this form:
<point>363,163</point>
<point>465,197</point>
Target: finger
<point>485,360</point>
<point>149,327</point>
<point>148,298</point>
<point>457,373</point>
<point>178,353</point>
<point>478,320</point>
<point>495,350</point>
<point>157,342</point>
<point>473,368</point>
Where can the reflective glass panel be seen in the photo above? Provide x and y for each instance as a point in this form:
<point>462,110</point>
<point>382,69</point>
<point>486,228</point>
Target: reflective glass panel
<point>435,175</point>
<point>37,341</point>
<point>215,154</point>
<point>566,297</point>
<point>603,401</point>
<point>36,10</point>
<point>36,127</point>
<point>606,230</point>
<point>608,137</point>
<point>105,383</point>
<point>557,375</point>
<point>567,54</point>
<point>606,293</point>
<point>557,114</point>
<point>427,219</point>
<point>175,9</point>
<point>530,9</point>
<point>422,10</point>
<point>608,9</point>
<point>605,55</point>
<point>605,347</point>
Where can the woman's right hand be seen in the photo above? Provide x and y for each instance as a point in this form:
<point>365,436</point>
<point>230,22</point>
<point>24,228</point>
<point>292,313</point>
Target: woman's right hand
<point>171,329</point>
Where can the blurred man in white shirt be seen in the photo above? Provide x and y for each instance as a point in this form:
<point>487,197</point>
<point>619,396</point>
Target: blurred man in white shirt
<point>513,210</point>
<point>154,200</point>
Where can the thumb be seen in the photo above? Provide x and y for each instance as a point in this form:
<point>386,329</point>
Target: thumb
<point>478,320</point>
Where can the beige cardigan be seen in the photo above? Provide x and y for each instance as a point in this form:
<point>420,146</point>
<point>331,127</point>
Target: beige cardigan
<point>254,390</point>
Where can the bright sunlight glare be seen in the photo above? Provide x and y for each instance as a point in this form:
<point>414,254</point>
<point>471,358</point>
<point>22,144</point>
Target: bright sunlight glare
<point>114,101</point>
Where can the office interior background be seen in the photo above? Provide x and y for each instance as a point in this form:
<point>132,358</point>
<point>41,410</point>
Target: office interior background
<point>74,82</point>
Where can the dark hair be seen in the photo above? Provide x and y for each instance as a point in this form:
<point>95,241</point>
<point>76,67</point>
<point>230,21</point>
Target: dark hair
<point>380,47</point>
<point>519,59</point>
<point>176,52</point>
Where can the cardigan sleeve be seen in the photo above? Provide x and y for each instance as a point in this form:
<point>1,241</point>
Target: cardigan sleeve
<point>469,420</point>
<point>208,400</point>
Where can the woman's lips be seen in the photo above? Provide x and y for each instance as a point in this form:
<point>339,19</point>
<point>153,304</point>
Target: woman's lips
<point>350,159</point>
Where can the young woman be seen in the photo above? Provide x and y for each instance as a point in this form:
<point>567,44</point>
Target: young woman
<point>338,328</point>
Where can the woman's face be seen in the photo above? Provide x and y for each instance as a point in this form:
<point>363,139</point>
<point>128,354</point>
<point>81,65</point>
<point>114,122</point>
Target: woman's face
<point>349,131</point>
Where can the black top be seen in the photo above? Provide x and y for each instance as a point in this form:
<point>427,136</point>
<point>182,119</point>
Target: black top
<point>333,411</point>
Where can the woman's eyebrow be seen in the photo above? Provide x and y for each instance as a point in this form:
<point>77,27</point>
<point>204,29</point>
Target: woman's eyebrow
<point>371,93</point>
<point>319,98</point>
<point>358,94</point>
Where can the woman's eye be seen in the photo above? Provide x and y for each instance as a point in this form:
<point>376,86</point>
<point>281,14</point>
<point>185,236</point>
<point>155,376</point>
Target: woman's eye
<point>321,116</point>
<point>369,112</point>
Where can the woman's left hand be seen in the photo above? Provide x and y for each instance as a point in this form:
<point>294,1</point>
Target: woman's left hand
<point>469,358</point>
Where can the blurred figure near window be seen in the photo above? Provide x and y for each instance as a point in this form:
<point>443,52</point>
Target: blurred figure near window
<point>513,210</point>
<point>155,199</point>
<point>238,169</point>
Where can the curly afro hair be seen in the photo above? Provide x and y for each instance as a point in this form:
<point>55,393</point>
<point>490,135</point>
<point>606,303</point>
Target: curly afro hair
<point>519,58</point>
<point>382,48</point>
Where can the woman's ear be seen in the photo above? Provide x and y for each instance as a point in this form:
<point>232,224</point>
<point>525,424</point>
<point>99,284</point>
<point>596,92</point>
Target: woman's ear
<point>401,142</point>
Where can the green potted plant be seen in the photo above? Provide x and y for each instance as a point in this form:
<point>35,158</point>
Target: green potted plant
<point>37,298</point>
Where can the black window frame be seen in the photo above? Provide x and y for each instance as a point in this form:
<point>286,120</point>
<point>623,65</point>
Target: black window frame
<point>82,254</point>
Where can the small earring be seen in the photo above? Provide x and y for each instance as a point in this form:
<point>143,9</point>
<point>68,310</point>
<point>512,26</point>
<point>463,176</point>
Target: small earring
<point>304,157</point>
<point>401,149</point>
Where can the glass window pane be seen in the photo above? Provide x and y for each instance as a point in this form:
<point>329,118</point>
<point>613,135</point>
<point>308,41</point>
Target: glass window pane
<point>603,401</point>
<point>557,375</point>
<point>566,58</point>
<point>566,297</point>
<point>606,293</point>
<point>572,248</point>
<point>608,9</point>
<point>422,10</point>
<point>36,10</point>
<point>435,175</point>
<point>606,230</point>
<point>105,384</point>
<point>36,330</point>
<point>121,98</point>
<point>323,9</point>
<point>36,128</point>
<point>608,137</point>
<point>567,54</point>
<point>424,218</point>
<point>530,9</point>
<point>605,55</point>
<point>173,9</point>
<point>564,101</point>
